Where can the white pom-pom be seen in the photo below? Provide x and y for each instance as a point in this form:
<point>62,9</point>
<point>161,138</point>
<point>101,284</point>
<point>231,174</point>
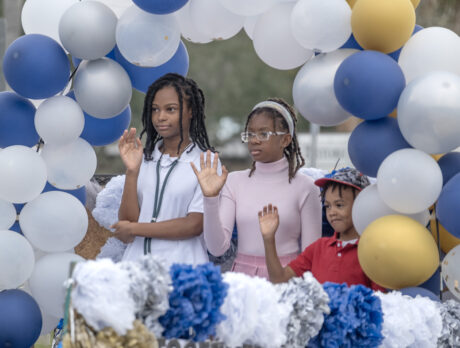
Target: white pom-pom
<point>409,322</point>
<point>112,249</point>
<point>108,202</point>
<point>253,313</point>
<point>102,296</point>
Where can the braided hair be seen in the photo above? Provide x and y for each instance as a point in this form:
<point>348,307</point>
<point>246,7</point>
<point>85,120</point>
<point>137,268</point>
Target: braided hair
<point>187,91</point>
<point>292,151</point>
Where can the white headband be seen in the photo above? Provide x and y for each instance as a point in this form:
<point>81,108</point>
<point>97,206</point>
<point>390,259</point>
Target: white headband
<point>281,109</point>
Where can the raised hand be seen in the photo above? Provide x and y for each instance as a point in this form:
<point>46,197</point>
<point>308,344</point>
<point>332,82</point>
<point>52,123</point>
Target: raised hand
<point>211,183</point>
<point>269,221</point>
<point>131,150</point>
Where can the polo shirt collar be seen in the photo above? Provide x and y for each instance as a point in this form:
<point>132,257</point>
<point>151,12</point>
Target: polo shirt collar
<point>334,240</point>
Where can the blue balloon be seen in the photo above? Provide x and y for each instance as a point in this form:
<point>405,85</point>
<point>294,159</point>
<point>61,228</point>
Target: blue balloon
<point>20,319</point>
<point>448,204</point>
<point>142,78</point>
<point>414,291</point>
<point>17,121</point>
<point>100,132</point>
<point>160,6</point>
<point>395,54</point>
<point>352,43</point>
<point>36,66</point>
<point>16,227</point>
<point>434,283</point>
<point>372,141</point>
<point>450,166</point>
<point>79,193</point>
<point>368,84</point>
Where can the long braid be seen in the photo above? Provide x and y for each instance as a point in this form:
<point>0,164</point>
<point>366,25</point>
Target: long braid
<point>188,91</point>
<point>292,151</point>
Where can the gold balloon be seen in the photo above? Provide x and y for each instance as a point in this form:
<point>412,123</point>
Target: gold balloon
<point>448,241</point>
<point>353,2</point>
<point>394,113</point>
<point>437,157</point>
<point>397,252</point>
<point>382,25</point>
<point>415,3</point>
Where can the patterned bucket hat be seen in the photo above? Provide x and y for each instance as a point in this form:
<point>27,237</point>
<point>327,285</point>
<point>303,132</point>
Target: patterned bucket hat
<point>347,176</point>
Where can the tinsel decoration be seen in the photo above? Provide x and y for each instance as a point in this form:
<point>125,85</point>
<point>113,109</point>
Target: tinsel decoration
<point>101,295</point>
<point>149,287</point>
<point>450,334</point>
<point>108,202</point>
<point>85,336</point>
<point>112,249</point>
<point>409,322</point>
<point>254,313</point>
<point>309,303</point>
<point>195,302</point>
<point>355,319</point>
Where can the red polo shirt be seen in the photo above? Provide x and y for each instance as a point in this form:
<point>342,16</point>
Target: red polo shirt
<point>329,261</point>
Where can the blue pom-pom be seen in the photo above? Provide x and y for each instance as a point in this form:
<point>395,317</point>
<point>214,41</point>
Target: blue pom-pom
<point>195,302</point>
<point>355,320</point>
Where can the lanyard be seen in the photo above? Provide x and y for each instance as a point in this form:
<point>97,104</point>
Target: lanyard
<point>158,200</point>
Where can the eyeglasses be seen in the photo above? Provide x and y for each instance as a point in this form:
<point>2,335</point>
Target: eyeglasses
<point>261,136</point>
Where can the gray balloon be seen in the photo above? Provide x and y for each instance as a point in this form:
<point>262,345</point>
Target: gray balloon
<point>87,30</point>
<point>102,88</point>
<point>313,89</point>
<point>429,112</point>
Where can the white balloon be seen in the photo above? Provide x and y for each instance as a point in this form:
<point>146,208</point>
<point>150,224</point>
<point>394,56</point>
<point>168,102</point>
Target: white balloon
<point>368,206</point>
<point>274,42</point>
<point>54,222</point>
<point>428,50</point>
<point>248,7</point>
<point>117,6</point>
<point>188,28</point>
<point>102,88</point>
<point>147,39</point>
<point>87,30</point>
<point>409,181</point>
<point>43,16</point>
<point>7,214</point>
<point>429,112</point>
<point>16,260</point>
<point>321,25</point>
<point>22,174</point>
<point>70,166</point>
<point>249,25</point>
<point>313,89</point>
<point>214,20</point>
<point>47,282</point>
<point>59,120</point>
<point>451,272</point>
<point>49,323</point>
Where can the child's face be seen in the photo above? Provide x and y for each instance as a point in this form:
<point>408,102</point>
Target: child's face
<point>166,114</point>
<point>272,149</point>
<point>338,208</point>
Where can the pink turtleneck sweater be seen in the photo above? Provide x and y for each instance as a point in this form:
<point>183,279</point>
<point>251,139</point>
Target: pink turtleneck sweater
<point>242,197</point>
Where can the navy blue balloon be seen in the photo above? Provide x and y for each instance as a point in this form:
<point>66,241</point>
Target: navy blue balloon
<point>100,132</point>
<point>20,319</point>
<point>450,166</point>
<point>447,209</point>
<point>372,141</point>
<point>368,84</point>
<point>434,283</point>
<point>160,6</point>
<point>79,193</point>
<point>17,121</point>
<point>414,291</point>
<point>16,227</point>
<point>352,43</point>
<point>36,66</point>
<point>142,78</point>
<point>395,54</point>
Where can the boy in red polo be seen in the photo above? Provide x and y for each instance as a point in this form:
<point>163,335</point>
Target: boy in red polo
<point>329,259</point>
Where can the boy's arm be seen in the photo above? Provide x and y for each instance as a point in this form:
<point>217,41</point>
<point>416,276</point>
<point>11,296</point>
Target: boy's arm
<point>268,222</point>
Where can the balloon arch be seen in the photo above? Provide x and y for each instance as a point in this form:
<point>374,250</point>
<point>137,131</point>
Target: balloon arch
<point>365,58</point>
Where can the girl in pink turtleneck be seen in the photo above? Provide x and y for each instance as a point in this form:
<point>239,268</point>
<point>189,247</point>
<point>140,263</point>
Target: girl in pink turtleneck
<point>239,196</point>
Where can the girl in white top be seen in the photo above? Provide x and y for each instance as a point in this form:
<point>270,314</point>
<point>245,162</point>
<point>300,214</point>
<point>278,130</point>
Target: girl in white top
<point>161,210</point>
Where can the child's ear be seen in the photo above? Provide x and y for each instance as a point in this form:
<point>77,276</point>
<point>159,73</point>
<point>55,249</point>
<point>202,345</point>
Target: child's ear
<point>287,139</point>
